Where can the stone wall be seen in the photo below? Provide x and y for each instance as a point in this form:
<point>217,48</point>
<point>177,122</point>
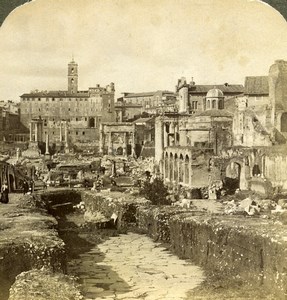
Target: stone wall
<point>241,248</point>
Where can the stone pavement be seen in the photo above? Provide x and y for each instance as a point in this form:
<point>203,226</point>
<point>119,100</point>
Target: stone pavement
<point>132,266</point>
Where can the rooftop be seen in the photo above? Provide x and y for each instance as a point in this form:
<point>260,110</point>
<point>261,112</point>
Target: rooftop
<point>146,94</point>
<point>225,88</point>
<point>214,113</point>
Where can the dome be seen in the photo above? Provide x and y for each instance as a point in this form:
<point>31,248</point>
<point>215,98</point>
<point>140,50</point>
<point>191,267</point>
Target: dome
<point>214,93</point>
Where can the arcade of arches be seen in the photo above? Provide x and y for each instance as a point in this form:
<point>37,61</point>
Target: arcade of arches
<point>177,166</point>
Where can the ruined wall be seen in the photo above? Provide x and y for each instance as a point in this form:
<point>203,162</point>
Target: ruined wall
<point>229,246</point>
<point>275,170</point>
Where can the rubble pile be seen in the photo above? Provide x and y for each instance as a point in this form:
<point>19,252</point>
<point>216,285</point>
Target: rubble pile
<point>264,208</point>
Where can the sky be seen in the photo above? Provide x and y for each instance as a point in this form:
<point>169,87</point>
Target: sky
<point>140,45</point>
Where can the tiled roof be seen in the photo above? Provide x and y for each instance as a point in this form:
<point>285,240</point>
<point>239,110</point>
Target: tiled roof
<point>226,89</point>
<point>256,85</point>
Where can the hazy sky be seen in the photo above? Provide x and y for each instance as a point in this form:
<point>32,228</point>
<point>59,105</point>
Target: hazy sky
<point>139,45</point>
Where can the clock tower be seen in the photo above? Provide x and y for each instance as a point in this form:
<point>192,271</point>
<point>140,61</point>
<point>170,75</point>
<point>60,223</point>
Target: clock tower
<point>72,77</point>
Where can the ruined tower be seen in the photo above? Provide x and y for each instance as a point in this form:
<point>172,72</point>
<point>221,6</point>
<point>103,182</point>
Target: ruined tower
<point>278,93</point>
<point>182,89</point>
<point>73,77</point>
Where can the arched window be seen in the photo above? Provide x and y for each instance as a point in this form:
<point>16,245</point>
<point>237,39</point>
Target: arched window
<point>213,103</point>
<point>208,104</point>
<point>220,104</point>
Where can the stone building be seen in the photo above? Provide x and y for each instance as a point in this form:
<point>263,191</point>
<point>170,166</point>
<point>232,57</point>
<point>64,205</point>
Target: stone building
<point>11,129</point>
<point>81,112</point>
<point>232,140</point>
<point>192,97</point>
<point>185,142</point>
<point>134,104</point>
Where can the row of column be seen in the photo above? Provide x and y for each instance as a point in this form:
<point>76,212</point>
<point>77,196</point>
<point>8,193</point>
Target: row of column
<point>36,129</point>
<point>177,170</point>
<point>170,133</point>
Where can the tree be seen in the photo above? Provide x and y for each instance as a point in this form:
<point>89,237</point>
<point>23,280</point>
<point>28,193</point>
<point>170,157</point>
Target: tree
<point>155,191</point>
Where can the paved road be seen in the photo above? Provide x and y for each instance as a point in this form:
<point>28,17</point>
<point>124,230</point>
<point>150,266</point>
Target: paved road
<point>132,266</point>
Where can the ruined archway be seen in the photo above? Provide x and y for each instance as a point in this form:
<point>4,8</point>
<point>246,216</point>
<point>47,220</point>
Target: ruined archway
<point>119,151</point>
<point>232,177</point>
<point>166,166</point>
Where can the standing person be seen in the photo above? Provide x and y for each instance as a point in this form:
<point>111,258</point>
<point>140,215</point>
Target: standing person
<point>4,193</point>
<point>25,187</point>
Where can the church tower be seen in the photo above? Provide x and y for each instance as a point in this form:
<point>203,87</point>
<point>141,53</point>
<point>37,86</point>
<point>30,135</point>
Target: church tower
<point>72,77</point>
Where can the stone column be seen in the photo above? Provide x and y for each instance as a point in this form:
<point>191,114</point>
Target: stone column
<point>36,132</point>
<point>47,144</point>
<point>101,146</point>
<point>61,137</point>
<point>110,148</point>
<point>31,128</point>
<point>66,134</point>
<point>17,154</point>
<point>133,144</point>
<point>158,139</point>
<point>125,144</point>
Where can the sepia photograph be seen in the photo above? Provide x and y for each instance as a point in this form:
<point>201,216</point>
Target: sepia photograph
<point>143,149</point>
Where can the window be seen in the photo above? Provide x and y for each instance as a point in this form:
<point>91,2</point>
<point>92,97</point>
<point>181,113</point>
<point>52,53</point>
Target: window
<point>39,99</point>
<point>220,104</point>
<point>76,132</point>
<point>53,99</point>
<point>213,103</point>
<point>83,132</point>
<point>194,105</point>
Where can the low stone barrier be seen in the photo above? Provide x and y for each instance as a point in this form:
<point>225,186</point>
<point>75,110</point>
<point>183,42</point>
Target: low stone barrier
<point>250,250</point>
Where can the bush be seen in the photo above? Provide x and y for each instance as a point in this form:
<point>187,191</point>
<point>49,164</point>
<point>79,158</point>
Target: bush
<point>155,191</point>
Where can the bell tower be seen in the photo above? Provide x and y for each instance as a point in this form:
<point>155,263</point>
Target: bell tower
<point>73,77</point>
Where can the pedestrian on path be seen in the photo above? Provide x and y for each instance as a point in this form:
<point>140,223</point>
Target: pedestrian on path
<point>4,193</point>
<point>25,187</point>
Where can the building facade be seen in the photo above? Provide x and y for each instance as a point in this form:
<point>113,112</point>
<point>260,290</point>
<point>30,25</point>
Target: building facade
<point>134,104</point>
<point>81,112</point>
